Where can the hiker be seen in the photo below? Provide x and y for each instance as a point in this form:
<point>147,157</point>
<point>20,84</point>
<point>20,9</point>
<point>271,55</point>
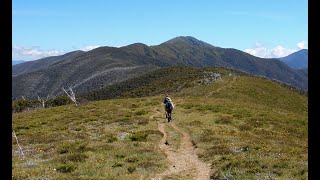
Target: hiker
<point>168,106</point>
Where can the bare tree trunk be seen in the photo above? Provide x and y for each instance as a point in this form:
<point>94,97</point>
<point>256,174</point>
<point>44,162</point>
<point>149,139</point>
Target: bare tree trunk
<point>20,149</point>
<point>24,100</point>
<point>71,95</point>
<point>43,101</point>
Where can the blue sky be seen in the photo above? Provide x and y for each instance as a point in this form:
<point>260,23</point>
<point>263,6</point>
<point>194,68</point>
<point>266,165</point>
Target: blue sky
<point>270,28</point>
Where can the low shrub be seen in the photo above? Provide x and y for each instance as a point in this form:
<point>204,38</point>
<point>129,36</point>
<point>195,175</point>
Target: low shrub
<point>245,127</point>
<point>224,120</point>
<point>141,112</point>
<point>63,148</point>
<point>111,138</point>
<point>71,147</point>
<point>116,164</point>
<point>138,136</point>
<point>66,168</point>
<point>131,159</point>
<point>131,169</point>
<point>21,105</point>
<point>58,101</point>
<point>77,157</point>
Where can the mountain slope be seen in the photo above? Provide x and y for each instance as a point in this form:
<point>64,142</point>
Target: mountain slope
<point>297,60</point>
<point>105,66</point>
<point>93,69</point>
<point>244,127</point>
<point>17,62</point>
<point>205,55</point>
<point>42,63</point>
<point>162,81</point>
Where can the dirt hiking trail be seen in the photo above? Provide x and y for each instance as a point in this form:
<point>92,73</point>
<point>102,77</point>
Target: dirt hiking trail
<point>183,161</point>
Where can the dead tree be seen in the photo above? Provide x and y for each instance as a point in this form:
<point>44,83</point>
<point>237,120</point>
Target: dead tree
<point>71,95</point>
<point>23,98</point>
<point>43,101</point>
<point>20,149</point>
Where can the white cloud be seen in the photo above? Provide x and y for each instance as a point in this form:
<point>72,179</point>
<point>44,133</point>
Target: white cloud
<point>277,52</point>
<point>88,48</point>
<point>280,51</point>
<point>259,50</point>
<point>33,53</point>
<point>302,45</point>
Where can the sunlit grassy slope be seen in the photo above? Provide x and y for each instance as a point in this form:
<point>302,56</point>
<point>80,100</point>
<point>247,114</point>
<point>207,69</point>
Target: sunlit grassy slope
<point>245,127</point>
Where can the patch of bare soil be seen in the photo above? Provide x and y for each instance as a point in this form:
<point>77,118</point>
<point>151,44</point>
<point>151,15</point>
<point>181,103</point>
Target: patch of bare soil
<point>184,161</point>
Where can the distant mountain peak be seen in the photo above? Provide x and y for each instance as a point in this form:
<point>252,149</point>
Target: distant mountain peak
<point>300,52</point>
<point>183,38</point>
<point>136,45</point>
<point>297,60</point>
<point>303,50</point>
<point>187,40</point>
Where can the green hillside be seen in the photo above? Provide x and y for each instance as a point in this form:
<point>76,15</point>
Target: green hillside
<point>244,127</point>
<point>157,82</point>
<point>161,81</point>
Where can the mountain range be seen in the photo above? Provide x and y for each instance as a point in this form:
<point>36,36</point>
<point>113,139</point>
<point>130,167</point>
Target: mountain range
<point>105,66</point>
<point>297,60</point>
<point>14,62</point>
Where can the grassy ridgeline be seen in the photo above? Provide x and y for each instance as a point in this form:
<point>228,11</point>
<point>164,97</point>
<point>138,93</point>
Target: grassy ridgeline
<point>245,127</point>
<point>101,139</point>
<point>172,80</point>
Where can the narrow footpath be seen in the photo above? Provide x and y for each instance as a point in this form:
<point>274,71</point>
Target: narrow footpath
<point>183,161</point>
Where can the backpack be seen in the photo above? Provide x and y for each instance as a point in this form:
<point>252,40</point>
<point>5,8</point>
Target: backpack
<point>168,105</point>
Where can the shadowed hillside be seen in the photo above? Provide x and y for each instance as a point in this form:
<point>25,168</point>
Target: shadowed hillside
<point>165,80</point>
<point>42,63</point>
<point>105,66</point>
<point>297,60</point>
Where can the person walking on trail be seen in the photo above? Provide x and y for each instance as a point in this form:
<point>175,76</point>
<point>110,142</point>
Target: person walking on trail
<point>168,105</point>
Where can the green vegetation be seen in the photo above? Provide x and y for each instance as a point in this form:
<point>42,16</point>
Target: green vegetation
<point>249,129</point>
<point>22,105</point>
<point>245,127</point>
<point>101,139</point>
<point>160,81</point>
<point>164,80</point>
